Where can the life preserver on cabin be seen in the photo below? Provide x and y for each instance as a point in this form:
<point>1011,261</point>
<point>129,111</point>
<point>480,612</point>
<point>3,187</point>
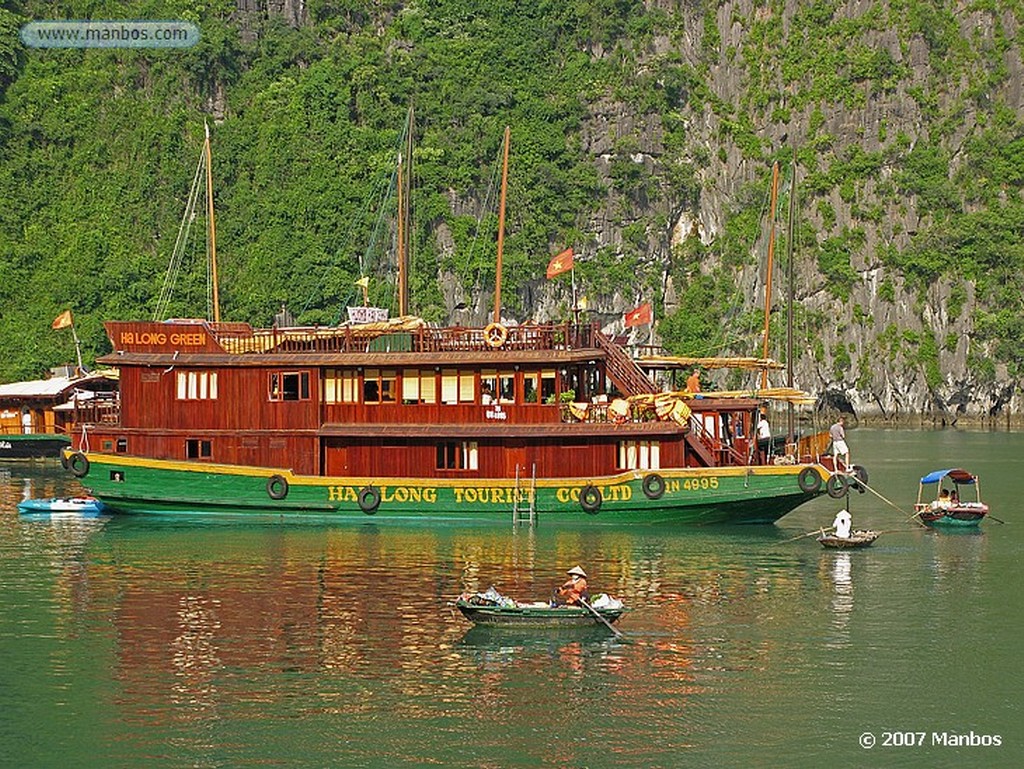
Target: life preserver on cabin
<point>654,486</point>
<point>79,464</point>
<point>277,487</point>
<point>590,499</point>
<point>837,486</point>
<point>496,334</point>
<point>369,499</point>
<point>809,480</point>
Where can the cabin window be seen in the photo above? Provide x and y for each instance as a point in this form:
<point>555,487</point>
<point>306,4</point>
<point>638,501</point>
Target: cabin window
<point>418,386</point>
<point>289,386</point>
<point>639,455</point>
<point>457,455</point>
<point>506,387</point>
<point>196,385</point>
<point>488,386</point>
<point>340,386</point>
<point>531,387</point>
<point>457,387</point>
<point>547,386</point>
<point>380,385</point>
<point>197,449</point>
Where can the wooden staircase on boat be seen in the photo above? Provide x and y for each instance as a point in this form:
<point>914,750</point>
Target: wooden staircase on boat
<point>622,370</point>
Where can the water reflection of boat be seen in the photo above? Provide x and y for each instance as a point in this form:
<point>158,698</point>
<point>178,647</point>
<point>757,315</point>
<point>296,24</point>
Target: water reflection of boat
<point>947,509</point>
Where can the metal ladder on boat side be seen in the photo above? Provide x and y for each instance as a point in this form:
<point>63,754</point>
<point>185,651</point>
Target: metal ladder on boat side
<point>529,515</point>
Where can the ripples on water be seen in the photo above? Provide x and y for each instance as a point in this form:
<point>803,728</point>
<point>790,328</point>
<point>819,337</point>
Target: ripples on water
<point>156,642</point>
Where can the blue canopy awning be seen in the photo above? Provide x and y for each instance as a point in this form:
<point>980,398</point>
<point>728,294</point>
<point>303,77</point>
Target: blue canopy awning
<point>954,474</point>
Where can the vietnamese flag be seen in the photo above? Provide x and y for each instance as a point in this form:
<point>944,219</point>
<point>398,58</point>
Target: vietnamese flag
<point>641,316</point>
<point>560,263</point>
<point>62,321</point>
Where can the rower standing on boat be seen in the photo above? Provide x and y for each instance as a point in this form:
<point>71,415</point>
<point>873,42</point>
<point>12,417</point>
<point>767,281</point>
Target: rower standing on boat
<point>693,381</point>
<point>839,446</point>
<point>574,590</point>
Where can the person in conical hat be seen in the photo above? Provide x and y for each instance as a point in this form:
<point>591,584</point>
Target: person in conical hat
<point>574,590</point>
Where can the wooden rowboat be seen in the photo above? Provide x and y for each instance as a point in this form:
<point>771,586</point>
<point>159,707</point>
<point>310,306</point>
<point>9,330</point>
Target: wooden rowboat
<point>859,538</point>
<point>536,615</point>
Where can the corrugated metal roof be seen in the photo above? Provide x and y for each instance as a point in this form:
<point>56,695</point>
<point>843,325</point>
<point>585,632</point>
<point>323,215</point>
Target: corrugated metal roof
<point>54,387</point>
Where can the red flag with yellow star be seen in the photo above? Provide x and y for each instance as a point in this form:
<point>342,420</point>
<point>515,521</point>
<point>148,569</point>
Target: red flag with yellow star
<point>560,263</point>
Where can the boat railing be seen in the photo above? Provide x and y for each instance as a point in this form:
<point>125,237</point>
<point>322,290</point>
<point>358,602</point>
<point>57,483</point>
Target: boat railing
<point>416,338</point>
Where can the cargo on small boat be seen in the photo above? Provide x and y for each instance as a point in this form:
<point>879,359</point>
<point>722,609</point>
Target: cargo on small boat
<point>491,609</point>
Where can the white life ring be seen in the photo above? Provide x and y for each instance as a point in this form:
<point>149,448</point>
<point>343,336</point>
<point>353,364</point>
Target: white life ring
<point>496,334</point>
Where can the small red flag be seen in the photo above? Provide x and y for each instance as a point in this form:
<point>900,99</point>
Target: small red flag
<point>561,263</point>
<point>641,316</point>
<point>62,321</point>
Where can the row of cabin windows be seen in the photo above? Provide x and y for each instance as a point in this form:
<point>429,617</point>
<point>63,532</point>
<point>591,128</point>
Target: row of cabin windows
<point>449,386</point>
<point>409,386</point>
<point>454,455</point>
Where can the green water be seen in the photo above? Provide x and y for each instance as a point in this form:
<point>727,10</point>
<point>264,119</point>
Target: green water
<point>130,642</point>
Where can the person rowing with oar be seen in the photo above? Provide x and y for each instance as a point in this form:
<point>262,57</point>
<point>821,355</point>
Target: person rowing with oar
<point>573,591</point>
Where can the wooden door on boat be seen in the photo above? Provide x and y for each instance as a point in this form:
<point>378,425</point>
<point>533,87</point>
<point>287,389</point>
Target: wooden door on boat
<point>515,456</point>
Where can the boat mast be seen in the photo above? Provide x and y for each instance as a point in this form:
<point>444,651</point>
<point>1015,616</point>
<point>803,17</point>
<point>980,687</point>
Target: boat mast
<point>768,278</point>
<point>211,225</point>
<point>404,238</point>
<point>790,273</point>
<point>501,228</point>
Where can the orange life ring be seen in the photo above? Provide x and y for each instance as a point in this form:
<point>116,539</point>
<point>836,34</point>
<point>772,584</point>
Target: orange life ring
<point>495,334</point>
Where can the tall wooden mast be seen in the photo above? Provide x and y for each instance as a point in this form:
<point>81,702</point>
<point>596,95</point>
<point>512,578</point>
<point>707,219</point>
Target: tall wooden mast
<point>404,202</point>
<point>212,226</point>
<point>768,277</point>
<point>501,228</point>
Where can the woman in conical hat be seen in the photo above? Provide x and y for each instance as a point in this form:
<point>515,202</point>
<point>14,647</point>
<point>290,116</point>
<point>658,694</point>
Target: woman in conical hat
<point>574,590</point>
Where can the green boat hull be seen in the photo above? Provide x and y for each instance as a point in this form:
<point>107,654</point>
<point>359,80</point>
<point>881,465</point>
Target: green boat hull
<point>685,496</point>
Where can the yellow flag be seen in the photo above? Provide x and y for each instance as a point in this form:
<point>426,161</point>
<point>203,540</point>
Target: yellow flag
<point>364,282</point>
<point>583,302</point>
<point>62,321</point>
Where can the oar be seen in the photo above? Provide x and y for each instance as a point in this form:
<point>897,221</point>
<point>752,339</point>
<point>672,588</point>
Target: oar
<point>808,534</point>
<point>598,614</point>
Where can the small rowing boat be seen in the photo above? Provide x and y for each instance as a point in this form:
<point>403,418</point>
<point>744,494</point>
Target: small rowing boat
<point>75,505</point>
<point>859,538</point>
<point>947,509</point>
<point>490,609</point>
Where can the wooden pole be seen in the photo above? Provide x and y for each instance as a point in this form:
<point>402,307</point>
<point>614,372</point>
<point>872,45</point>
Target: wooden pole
<point>212,226</point>
<point>768,277</point>
<point>501,227</point>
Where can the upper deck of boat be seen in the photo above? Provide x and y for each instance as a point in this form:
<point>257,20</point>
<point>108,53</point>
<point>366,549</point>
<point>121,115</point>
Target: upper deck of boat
<point>399,341</point>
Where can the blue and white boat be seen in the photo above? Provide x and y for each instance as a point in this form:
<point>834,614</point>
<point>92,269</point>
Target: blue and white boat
<point>74,505</point>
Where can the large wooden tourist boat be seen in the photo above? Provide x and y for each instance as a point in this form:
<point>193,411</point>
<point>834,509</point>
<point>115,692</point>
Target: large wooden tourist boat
<point>400,419</point>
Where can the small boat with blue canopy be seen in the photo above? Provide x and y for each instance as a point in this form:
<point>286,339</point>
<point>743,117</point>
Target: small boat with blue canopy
<point>948,508</point>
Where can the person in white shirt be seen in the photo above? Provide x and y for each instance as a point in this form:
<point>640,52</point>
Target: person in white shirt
<point>842,524</point>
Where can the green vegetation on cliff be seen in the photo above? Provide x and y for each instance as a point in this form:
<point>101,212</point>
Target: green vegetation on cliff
<point>618,126</point>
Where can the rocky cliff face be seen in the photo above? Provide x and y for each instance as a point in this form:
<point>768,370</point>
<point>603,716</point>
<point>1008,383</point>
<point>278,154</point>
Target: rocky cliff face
<point>879,347</point>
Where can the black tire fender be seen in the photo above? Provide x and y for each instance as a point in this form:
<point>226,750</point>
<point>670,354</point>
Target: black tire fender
<point>277,487</point>
<point>654,486</point>
<point>809,480</point>
<point>590,499</point>
<point>837,486</point>
<point>79,464</point>
<point>369,499</point>
<point>860,478</point>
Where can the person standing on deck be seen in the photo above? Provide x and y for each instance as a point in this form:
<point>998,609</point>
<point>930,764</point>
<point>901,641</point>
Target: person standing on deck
<point>693,381</point>
<point>574,590</point>
<point>838,434</point>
